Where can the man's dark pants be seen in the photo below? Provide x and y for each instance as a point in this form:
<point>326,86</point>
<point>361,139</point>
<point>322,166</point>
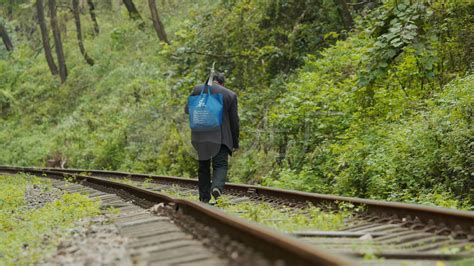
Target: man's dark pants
<point>219,167</point>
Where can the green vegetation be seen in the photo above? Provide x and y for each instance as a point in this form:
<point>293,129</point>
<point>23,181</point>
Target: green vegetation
<point>383,110</point>
<point>286,219</point>
<point>27,234</point>
<point>283,218</point>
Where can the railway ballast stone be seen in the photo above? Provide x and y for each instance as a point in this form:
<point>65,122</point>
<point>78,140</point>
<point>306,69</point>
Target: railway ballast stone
<point>37,195</point>
<point>92,241</point>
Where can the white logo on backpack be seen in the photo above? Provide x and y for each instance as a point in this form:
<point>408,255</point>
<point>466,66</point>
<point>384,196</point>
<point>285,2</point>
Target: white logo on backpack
<point>202,102</point>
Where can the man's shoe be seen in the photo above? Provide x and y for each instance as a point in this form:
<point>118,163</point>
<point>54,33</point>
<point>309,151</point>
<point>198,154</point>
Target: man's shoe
<point>204,201</point>
<point>216,193</point>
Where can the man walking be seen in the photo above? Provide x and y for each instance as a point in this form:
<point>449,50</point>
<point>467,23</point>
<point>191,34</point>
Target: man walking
<point>214,147</point>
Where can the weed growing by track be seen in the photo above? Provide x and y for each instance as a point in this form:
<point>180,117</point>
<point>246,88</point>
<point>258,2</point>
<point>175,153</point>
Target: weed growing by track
<point>283,218</point>
<point>28,233</point>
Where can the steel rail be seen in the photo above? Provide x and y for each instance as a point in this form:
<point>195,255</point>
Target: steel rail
<point>454,220</point>
<point>273,245</point>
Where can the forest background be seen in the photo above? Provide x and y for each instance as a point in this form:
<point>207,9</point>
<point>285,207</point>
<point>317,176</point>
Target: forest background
<point>370,98</point>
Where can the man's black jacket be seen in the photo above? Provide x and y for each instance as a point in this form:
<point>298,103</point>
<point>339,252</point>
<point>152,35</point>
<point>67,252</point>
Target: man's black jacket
<point>229,134</point>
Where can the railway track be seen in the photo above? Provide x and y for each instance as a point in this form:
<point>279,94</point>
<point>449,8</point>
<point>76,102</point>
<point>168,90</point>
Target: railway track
<point>185,232</point>
<point>393,232</point>
<point>153,237</point>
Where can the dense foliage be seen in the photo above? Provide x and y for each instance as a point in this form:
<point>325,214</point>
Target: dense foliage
<point>381,111</point>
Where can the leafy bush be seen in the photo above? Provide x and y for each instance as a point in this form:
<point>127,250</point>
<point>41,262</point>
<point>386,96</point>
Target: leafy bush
<point>404,136</point>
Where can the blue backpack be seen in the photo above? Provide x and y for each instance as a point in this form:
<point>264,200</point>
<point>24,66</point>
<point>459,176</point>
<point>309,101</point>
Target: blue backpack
<point>205,110</point>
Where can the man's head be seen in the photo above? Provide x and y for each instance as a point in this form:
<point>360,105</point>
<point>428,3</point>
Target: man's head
<point>219,78</point>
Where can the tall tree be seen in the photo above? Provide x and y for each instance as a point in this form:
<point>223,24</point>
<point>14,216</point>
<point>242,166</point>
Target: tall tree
<point>159,28</point>
<point>57,40</point>
<point>345,14</point>
<point>133,13</point>
<point>93,17</point>
<point>6,39</point>
<point>80,41</point>
<point>45,37</point>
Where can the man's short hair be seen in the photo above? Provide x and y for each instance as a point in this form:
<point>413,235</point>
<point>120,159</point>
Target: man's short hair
<point>219,77</point>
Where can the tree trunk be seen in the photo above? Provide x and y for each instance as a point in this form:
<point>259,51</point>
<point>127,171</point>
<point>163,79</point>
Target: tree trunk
<point>159,28</point>
<point>80,41</point>
<point>345,14</point>
<point>11,3</point>
<point>6,39</point>
<point>45,37</point>
<point>93,17</point>
<point>133,13</point>
<point>57,40</point>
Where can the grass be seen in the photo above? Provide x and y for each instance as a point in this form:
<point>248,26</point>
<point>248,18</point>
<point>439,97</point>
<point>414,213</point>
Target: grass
<point>285,219</point>
<point>28,234</point>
